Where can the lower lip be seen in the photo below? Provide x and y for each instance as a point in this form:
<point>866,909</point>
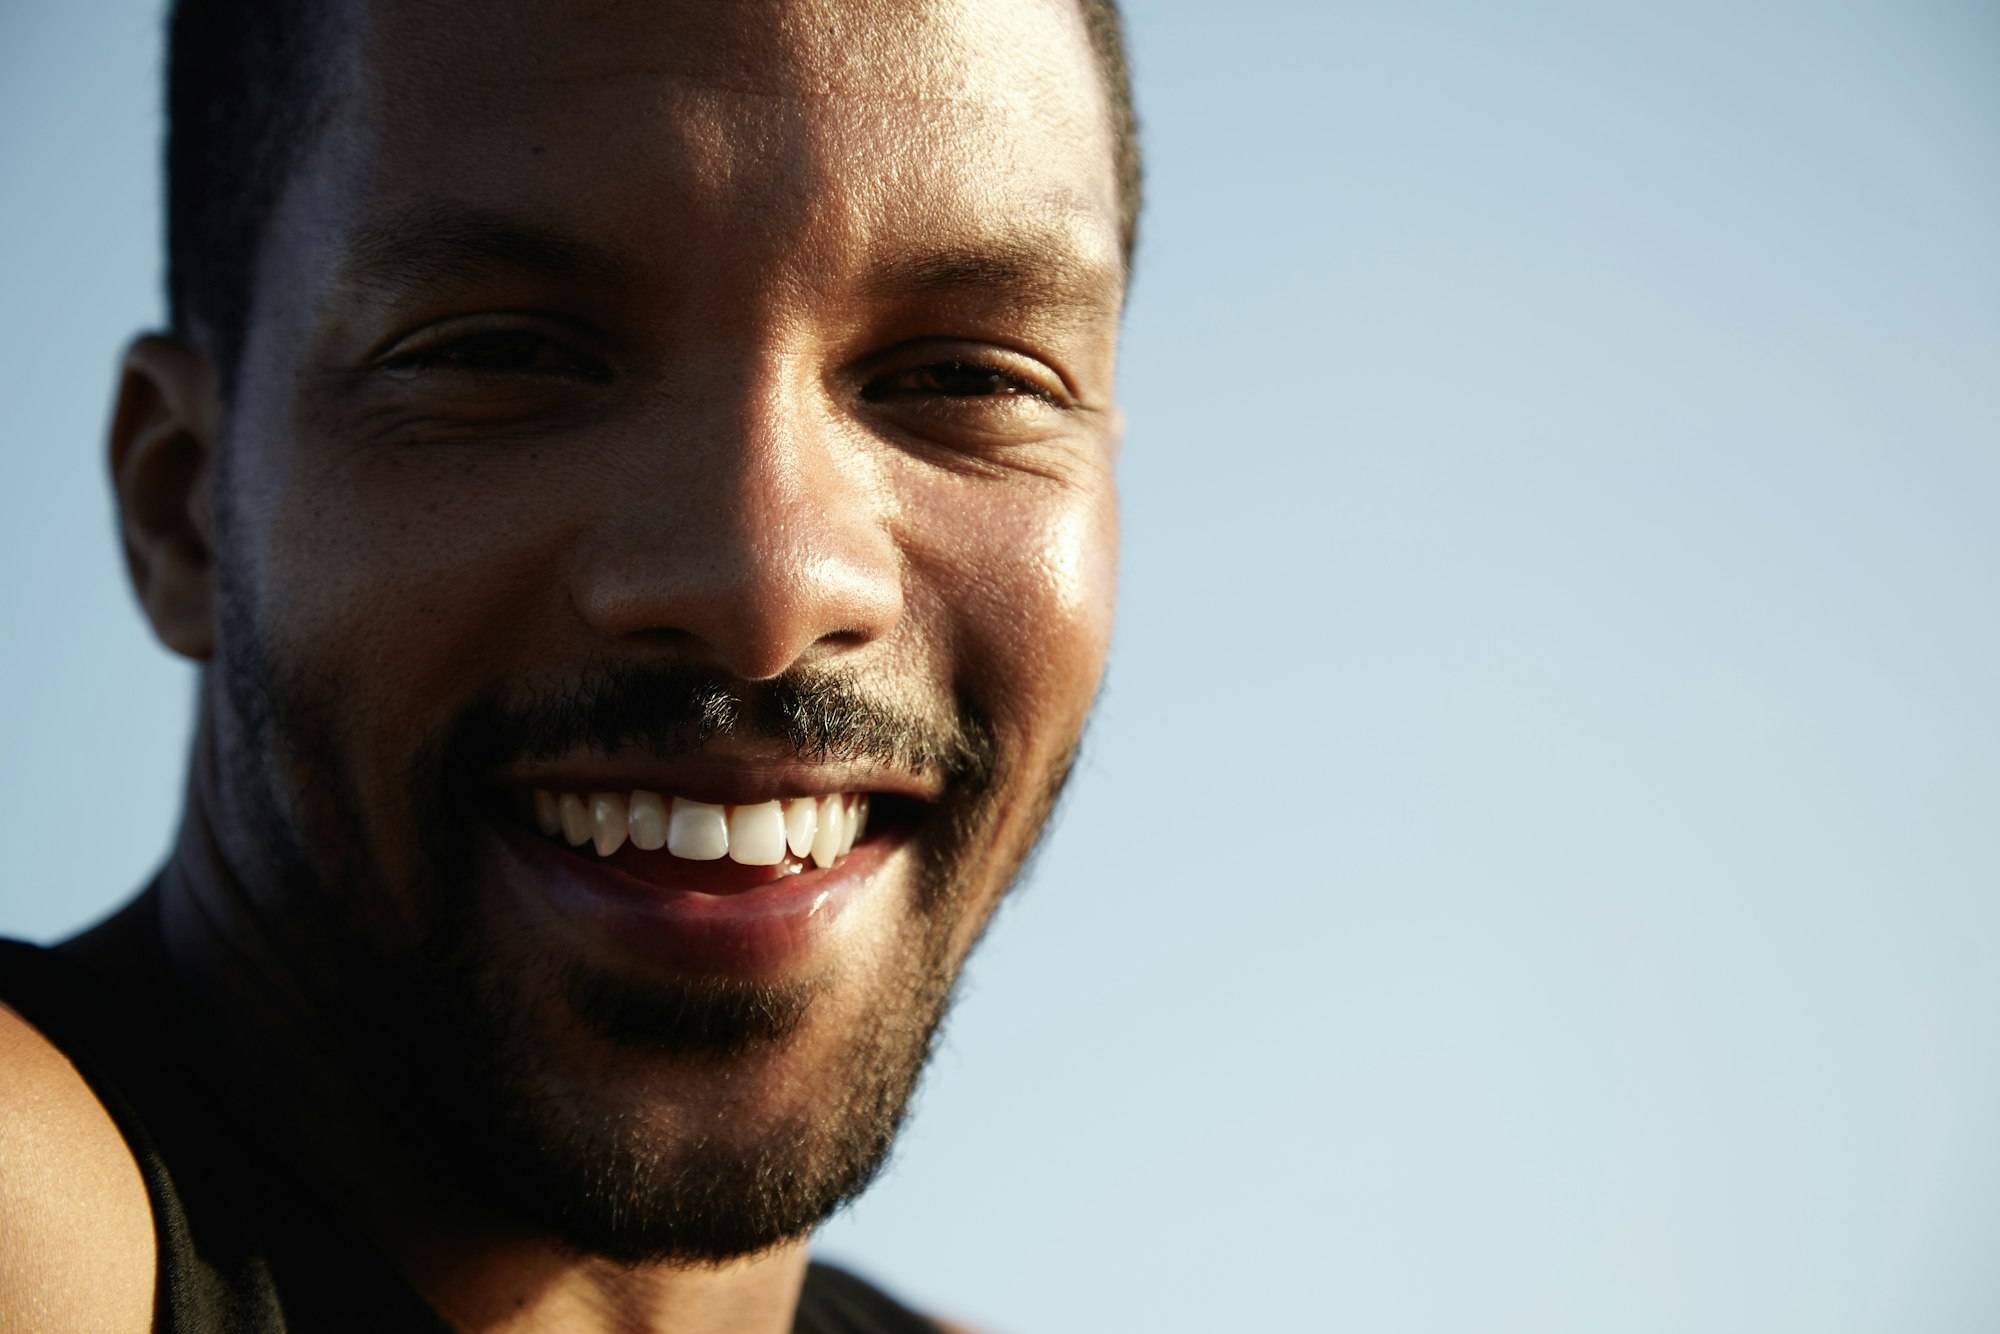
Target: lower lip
<point>762,932</point>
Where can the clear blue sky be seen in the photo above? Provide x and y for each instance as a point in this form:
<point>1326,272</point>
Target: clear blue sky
<point>1537,868</point>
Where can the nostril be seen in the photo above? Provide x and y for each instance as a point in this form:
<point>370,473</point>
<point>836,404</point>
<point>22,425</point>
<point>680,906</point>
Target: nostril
<point>843,640</point>
<point>747,591</point>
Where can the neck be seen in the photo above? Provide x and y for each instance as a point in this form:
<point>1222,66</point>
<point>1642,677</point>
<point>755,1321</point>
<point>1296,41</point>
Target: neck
<point>281,1066</point>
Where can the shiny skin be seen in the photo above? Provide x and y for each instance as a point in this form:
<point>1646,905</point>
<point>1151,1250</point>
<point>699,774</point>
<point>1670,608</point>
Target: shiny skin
<point>800,357</point>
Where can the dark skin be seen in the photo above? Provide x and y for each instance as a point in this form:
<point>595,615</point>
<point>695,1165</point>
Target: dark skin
<point>610,334</point>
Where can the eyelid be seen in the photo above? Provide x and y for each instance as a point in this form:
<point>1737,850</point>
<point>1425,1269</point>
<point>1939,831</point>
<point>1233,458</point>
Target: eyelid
<point>1015,388</point>
<point>439,335</point>
<point>1039,378</point>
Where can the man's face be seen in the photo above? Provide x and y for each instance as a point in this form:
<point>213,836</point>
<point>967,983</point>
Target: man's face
<point>704,400</point>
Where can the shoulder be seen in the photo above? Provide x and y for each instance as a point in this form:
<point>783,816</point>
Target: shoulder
<point>836,1298</point>
<point>76,1225</point>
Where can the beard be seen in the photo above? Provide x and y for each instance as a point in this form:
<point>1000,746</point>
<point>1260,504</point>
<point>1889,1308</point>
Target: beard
<point>512,1073</point>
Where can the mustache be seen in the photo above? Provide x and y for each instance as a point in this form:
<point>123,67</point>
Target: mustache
<point>670,709</point>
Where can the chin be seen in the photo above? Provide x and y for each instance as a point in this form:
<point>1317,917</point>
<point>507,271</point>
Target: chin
<point>642,1116</point>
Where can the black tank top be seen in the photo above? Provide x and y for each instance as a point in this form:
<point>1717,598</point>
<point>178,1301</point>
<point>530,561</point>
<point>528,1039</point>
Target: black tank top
<point>243,1248</point>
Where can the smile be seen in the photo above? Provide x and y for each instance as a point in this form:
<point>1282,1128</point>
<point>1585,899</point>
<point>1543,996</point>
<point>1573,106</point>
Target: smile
<point>786,833</point>
<point>676,884</point>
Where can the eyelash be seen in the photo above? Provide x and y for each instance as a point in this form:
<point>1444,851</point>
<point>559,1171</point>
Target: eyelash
<point>484,351</point>
<point>1001,383</point>
<point>463,354</point>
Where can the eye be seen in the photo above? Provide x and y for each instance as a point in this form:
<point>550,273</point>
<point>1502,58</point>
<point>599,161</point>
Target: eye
<point>955,378</point>
<point>513,353</point>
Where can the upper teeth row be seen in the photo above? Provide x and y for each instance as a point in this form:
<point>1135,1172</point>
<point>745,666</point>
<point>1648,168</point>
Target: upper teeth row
<point>822,828</point>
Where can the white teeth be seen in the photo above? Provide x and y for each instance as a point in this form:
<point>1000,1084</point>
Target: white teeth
<point>575,817</point>
<point>801,823</point>
<point>697,831</point>
<point>647,820</point>
<point>852,827</point>
<point>832,829</point>
<point>757,834</point>
<point>548,819</point>
<point>821,829</point>
<point>607,822</point>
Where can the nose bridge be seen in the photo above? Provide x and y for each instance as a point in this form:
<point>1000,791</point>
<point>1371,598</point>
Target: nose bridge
<point>758,544</point>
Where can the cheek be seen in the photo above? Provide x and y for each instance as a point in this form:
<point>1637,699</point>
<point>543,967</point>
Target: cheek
<point>1021,578</point>
<point>1062,594</point>
<point>391,594</point>
<point>1080,567</point>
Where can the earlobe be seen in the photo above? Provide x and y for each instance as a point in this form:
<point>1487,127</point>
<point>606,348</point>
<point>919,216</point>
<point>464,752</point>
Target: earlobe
<point>164,438</point>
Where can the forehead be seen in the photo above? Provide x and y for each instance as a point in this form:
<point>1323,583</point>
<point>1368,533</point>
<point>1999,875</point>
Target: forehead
<point>803,133</point>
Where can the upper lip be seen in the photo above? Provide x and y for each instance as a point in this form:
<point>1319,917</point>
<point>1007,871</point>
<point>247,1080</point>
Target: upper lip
<point>718,775</point>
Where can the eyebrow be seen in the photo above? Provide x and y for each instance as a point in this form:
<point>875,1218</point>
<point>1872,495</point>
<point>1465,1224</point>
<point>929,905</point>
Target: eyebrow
<point>433,245</point>
<point>429,245</point>
<point>1041,271</point>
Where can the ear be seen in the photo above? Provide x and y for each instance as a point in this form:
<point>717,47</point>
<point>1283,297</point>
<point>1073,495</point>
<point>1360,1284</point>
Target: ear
<point>164,441</point>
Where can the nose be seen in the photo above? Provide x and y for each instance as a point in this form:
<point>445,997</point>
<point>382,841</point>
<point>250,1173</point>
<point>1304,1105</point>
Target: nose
<point>754,538</point>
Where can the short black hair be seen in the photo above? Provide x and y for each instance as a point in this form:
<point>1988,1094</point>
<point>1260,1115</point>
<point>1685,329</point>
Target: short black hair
<point>247,86</point>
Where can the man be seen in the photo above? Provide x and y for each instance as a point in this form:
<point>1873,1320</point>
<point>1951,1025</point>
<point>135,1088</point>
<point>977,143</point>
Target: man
<point>638,481</point>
